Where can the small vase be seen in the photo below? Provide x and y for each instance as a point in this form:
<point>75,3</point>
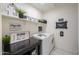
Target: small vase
<point>21,15</point>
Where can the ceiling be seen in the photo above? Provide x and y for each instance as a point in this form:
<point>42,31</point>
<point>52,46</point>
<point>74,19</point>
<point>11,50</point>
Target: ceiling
<point>43,7</point>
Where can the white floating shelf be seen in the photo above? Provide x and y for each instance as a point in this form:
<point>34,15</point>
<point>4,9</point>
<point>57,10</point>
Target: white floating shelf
<point>12,17</point>
<point>20,19</point>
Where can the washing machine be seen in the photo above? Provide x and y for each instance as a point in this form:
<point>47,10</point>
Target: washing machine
<point>47,42</point>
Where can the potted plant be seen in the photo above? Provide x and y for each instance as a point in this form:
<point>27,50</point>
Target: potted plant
<point>20,12</point>
<point>42,21</point>
<point>6,42</point>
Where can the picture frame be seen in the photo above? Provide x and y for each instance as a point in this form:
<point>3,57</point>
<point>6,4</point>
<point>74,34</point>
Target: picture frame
<point>61,25</point>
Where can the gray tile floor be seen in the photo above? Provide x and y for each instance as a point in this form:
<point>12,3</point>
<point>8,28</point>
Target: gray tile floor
<point>60,52</point>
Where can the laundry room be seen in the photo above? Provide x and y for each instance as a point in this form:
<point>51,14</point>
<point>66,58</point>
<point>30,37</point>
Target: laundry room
<point>39,28</point>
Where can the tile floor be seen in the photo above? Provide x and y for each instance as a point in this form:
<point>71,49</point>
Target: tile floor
<point>60,52</point>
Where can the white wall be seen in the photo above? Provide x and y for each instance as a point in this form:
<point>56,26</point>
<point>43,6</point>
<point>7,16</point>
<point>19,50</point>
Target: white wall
<point>0,33</point>
<point>78,28</point>
<point>26,25</point>
<point>69,12</point>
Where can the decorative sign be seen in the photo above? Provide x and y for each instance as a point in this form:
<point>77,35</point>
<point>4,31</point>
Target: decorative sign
<point>19,36</point>
<point>61,24</point>
<point>15,27</point>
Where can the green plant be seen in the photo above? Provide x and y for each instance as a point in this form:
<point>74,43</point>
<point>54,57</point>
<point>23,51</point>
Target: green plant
<point>6,39</point>
<point>6,43</point>
<point>20,11</point>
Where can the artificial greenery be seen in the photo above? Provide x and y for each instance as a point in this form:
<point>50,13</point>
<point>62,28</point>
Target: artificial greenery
<point>6,39</point>
<point>6,43</point>
<point>20,11</point>
<point>42,21</point>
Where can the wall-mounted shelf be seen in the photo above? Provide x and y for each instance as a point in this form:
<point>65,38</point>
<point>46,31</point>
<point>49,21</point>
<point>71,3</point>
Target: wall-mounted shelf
<point>20,19</point>
<point>14,17</point>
